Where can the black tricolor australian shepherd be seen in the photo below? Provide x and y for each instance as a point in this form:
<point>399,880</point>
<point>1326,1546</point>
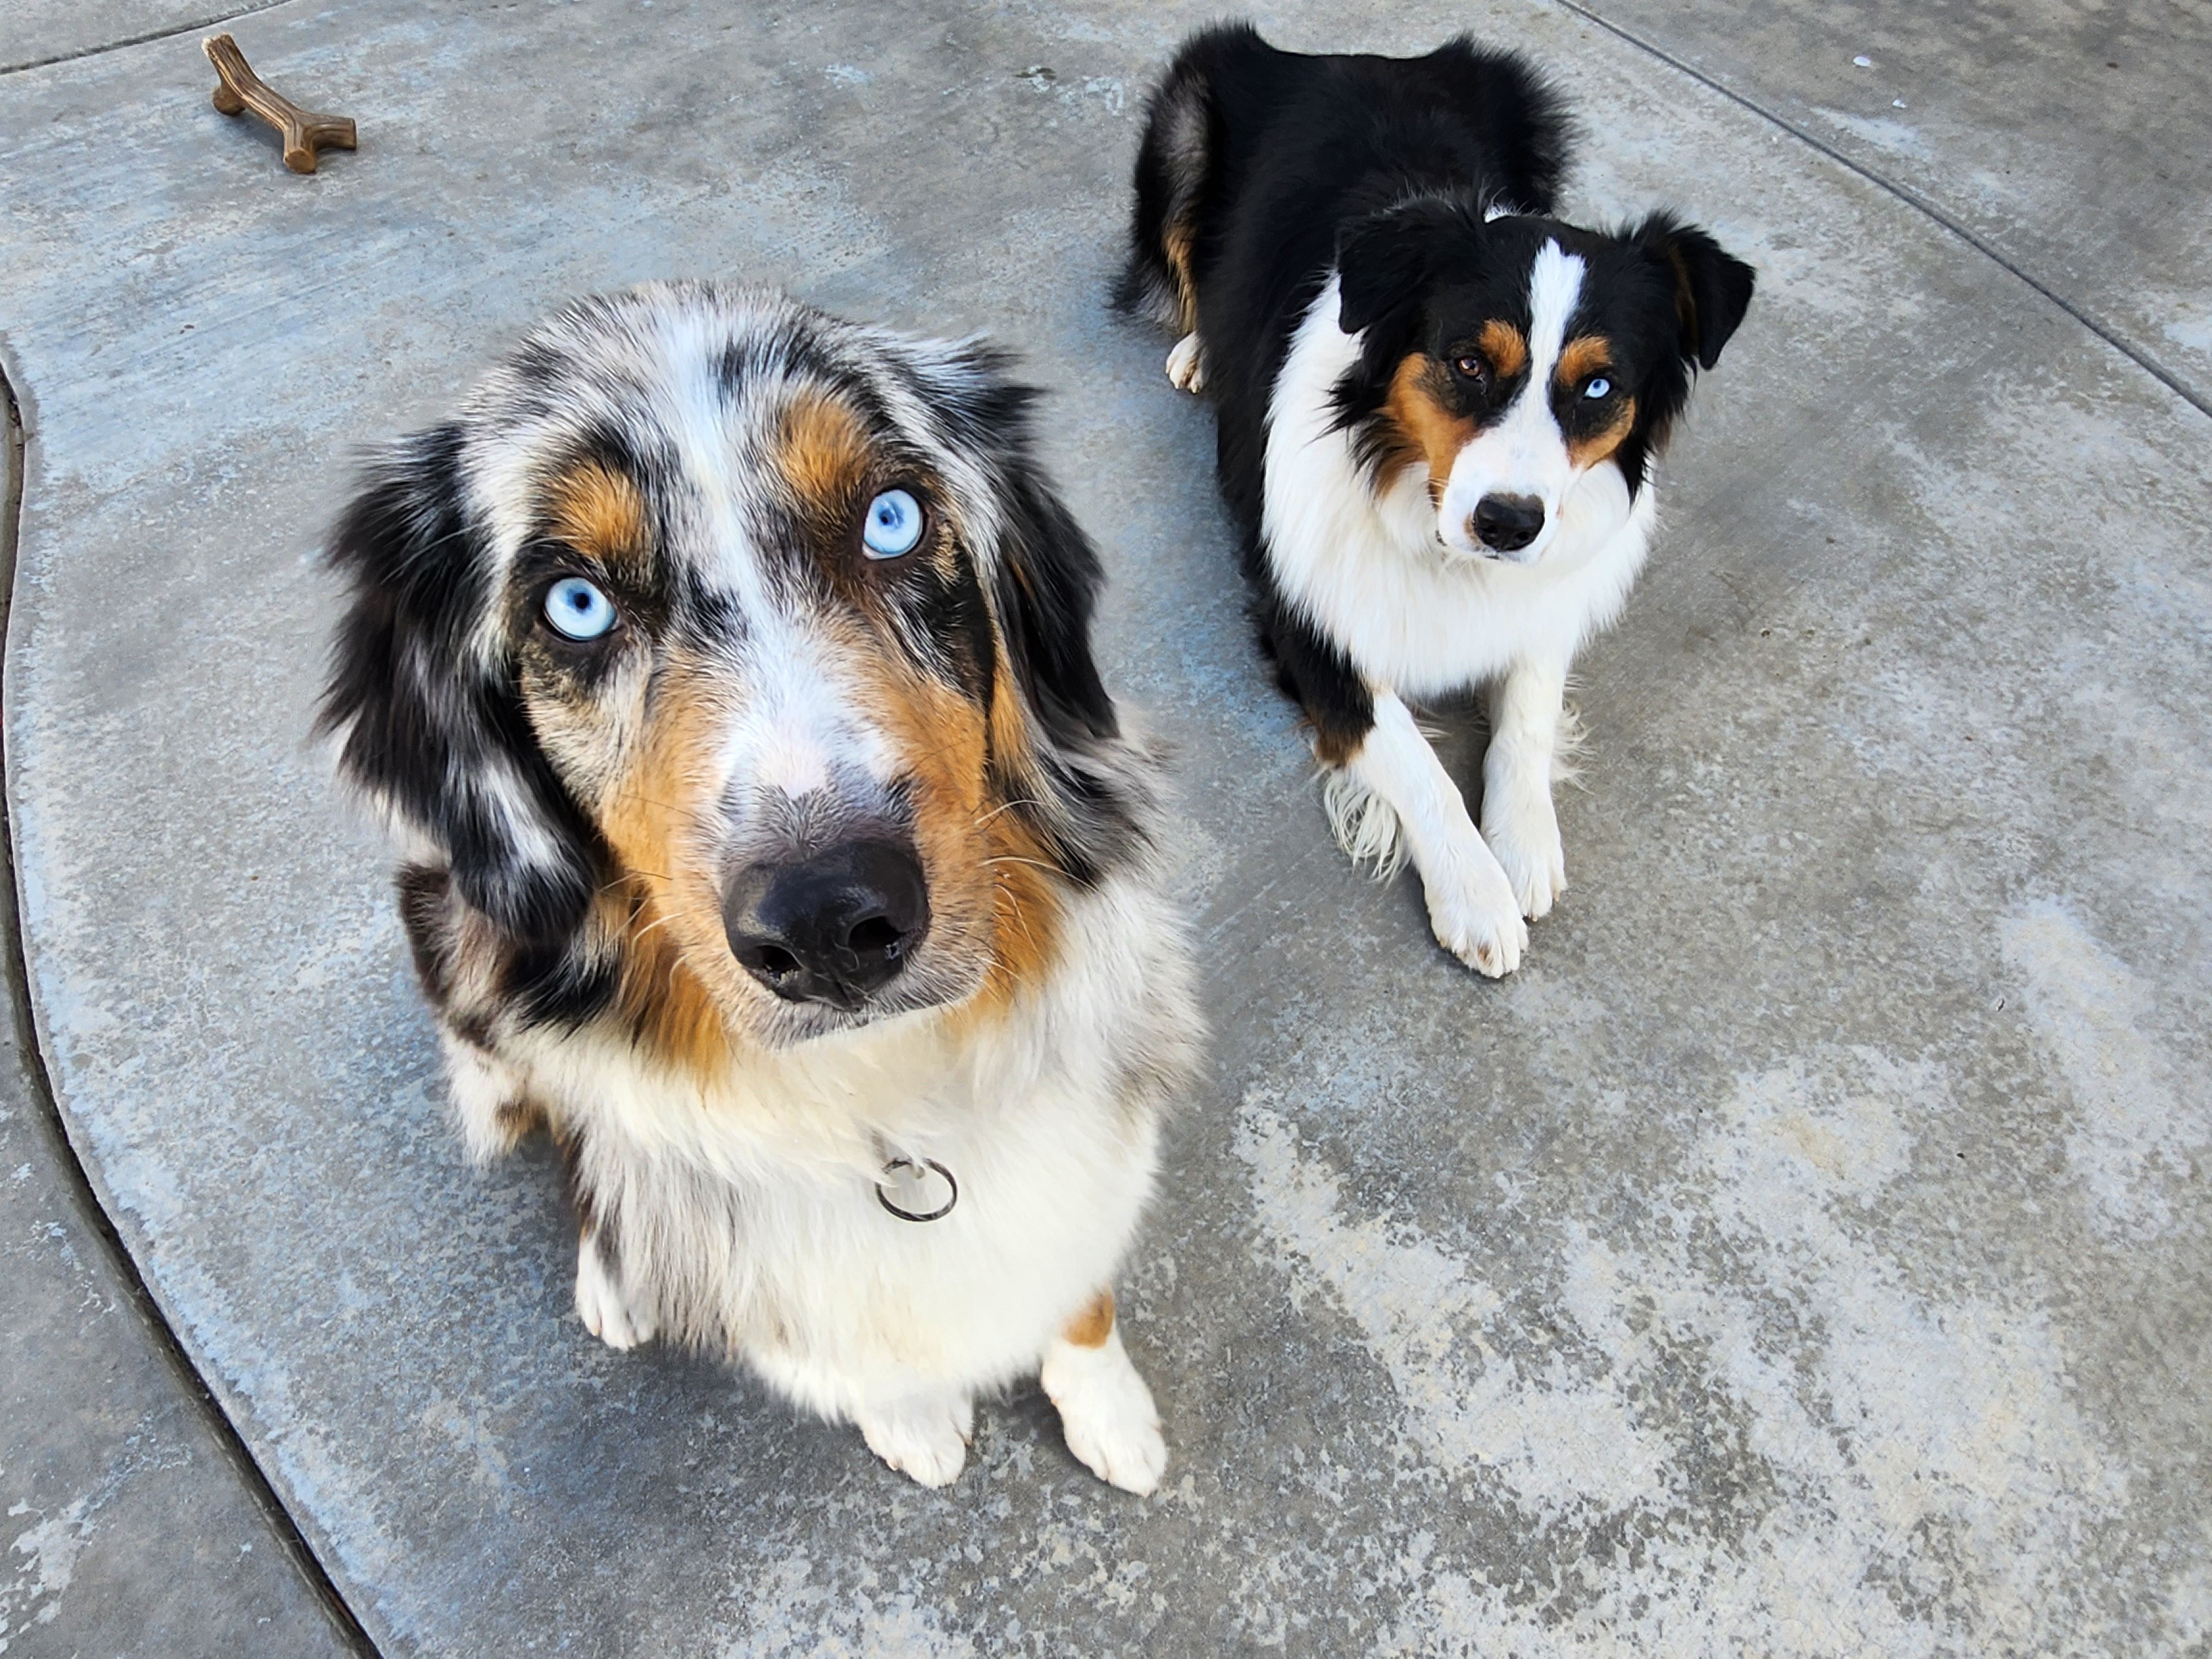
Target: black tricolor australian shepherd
<point>772,840</point>
<point>1438,407</point>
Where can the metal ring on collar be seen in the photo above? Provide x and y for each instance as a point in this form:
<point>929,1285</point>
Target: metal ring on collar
<point>918,1166</point>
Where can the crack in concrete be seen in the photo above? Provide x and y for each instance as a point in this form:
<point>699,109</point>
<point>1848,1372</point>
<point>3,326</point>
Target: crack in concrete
<point>169,33</point>
<point>2142,359</point>
<point>14,966</point>
<point>2136,354</point>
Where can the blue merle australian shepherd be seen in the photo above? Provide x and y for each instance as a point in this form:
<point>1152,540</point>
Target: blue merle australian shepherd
<point>771,840</point>
<point>1439,408</point>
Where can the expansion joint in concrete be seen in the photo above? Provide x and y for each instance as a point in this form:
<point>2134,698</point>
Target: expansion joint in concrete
<point>2201,402</point>
<point>170,34</point>
<point>14,966</point>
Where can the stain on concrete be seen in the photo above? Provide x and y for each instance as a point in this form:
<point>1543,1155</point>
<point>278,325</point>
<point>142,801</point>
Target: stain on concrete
<point>2139,1134</point>
<point>1901,1462</point>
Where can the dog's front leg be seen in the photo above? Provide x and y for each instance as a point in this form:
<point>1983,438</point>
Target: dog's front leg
<point>1471,907</point>
<point>1105,1410</point>
<point>1518,822</point>
<point>1186,364</point>
<point>924,1434</point>
<point>607,1312</point>
<point>1389,798</point>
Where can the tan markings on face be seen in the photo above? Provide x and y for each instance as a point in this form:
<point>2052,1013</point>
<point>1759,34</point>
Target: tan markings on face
<point>1090,1327</point>
<point>1588,354</point>
<point>1026,906</point>
<point>600,512</point>
<point>1505,348</point>
<point>993,887</point>
<point>668,912</point>
<point>1429,431</point>
<point>1175,241</point>
<point>665,999</point>
<point>1581,358</point>
<point>830,469</point>
<point>1589,449</point>
<point>822,452</point>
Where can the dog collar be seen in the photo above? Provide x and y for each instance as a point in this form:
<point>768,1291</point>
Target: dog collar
<point>917,1189</point>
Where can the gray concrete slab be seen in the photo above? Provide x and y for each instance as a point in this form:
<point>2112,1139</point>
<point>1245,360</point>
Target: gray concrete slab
<point>2073,141</point>
<point>1805,1254</point>
<point>128,1529</point>
<point>132,1526</point>
<point>33,31</point>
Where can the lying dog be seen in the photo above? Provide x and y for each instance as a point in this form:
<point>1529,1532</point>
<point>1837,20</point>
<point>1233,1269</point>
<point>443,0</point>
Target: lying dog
<point>773,842</point>
<point>1438,411</point>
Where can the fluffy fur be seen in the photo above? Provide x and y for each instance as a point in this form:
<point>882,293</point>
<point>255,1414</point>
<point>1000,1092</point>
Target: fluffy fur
<point>1438,407</point>
<point>578,814</point>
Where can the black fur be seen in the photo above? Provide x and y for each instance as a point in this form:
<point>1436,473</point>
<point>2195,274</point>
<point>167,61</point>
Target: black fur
<point>1047,574</point>
<point>424,724</point>
<point>1271,169</point>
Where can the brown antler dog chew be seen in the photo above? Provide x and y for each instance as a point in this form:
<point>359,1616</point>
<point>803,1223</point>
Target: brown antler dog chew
<point>303,131</point>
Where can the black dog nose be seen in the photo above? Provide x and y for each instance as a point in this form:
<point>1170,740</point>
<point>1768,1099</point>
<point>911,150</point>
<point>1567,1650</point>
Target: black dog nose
<point>830,928</point>
<point>1508,523</point>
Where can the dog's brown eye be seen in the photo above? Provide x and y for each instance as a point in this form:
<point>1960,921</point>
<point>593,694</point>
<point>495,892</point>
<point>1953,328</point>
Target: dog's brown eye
<point>1472,368</point>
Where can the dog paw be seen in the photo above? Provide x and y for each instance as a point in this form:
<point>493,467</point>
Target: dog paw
<point>1526,843</point>
<point>600,1304</point>
<point>1107,1413</point>
<point>1477,917</point>
<point>925,1437</point>
<point>1185,370</point>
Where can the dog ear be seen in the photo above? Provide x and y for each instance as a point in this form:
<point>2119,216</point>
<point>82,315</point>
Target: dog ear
<point>1712,289</point>
<point>1044,573</point>
<point>430,724</point>
<point>1047,582</point>
<point>1045,587</point>
<point>1044,577</point>
<point>1384,260</point>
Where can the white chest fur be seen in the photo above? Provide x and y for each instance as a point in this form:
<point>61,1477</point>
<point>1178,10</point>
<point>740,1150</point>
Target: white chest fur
<point>746,1213</point>
<point>1370,573</point>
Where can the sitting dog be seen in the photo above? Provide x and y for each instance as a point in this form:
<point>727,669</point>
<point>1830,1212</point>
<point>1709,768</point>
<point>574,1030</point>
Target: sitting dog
<point>771,840</point>
<point>1438,407</point>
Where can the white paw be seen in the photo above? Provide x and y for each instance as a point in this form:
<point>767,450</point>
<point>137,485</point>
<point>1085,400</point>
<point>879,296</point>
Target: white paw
<point>600,1303</point>
<point>925,1436</point>
<point>1107,1413</point>
<point>1186,373</point>
<point>1523,836</point>
<point>1476,917</point>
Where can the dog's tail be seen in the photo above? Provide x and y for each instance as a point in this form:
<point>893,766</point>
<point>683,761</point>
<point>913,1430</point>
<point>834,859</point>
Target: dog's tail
<point>1175,166</point>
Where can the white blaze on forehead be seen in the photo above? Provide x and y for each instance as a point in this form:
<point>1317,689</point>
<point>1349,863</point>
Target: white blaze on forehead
<point>1555,288</point>
<point>707,425</point>
<point>1525,453</point>
<point>802,722</point>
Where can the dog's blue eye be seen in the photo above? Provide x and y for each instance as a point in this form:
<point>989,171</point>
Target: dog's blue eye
<point>1598,387</point>
<point>577,610</point>
<point>893,524</point>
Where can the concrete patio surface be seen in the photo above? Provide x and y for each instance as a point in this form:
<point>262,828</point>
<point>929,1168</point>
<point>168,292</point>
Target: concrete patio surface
<point>132,1526</point>
<point>1807,1253</point>
<point>2066,141</point>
